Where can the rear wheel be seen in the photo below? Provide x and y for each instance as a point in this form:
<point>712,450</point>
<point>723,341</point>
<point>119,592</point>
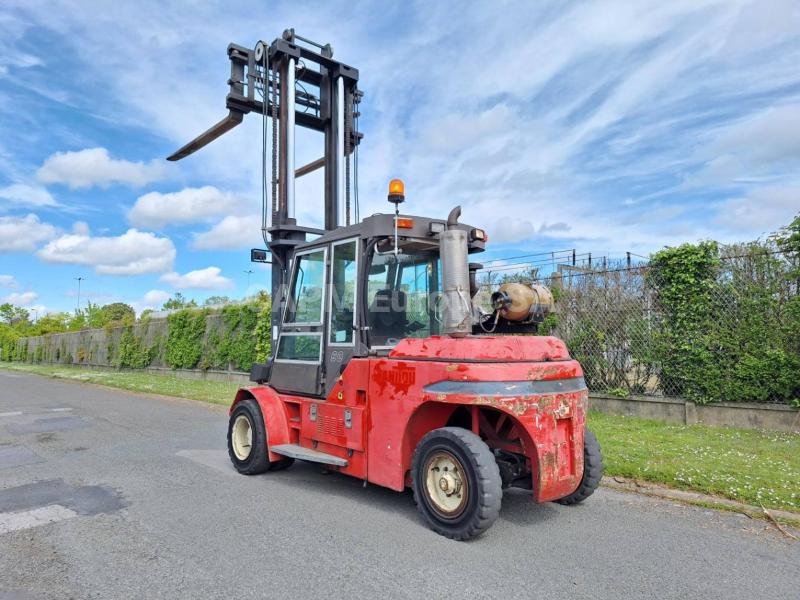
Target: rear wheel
<point>457,485</point>
<point>247,441</point>
<point>592,471</point>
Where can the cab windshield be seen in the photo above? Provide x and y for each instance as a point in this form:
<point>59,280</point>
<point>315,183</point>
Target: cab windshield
<point>402,293</point>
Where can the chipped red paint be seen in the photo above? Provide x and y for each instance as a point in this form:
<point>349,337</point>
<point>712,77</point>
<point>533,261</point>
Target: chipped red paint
<point>390,410</point>
<point>489,348</point>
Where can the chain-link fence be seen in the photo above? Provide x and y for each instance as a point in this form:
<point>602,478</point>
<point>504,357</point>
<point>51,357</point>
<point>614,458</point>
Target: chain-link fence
<point>723,329</point>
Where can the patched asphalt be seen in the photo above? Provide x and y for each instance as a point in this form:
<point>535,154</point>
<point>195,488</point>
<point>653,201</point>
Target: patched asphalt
<point>117,495</point>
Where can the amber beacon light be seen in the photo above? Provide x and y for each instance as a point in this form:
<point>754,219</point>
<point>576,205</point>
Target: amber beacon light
<point>397,191</point>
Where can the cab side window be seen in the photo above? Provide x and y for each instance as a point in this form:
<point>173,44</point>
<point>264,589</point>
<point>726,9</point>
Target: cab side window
<point>401,293</point>
<point>305,299</point>
<point>344,274</point>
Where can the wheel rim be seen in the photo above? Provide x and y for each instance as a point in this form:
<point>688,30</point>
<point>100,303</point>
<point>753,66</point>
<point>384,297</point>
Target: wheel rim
<point>242,437</point>
<point>446,484</point>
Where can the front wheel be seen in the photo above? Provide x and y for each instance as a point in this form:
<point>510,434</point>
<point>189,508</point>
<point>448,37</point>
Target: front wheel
<point>592,471</point>
<point>457,485</point>
<point>247,441</point>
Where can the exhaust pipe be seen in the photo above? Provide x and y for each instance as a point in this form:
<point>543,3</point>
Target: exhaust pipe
<point>457,304</point>
<point>452,218</point>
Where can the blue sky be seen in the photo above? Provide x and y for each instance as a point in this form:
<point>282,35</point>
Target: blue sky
<point>606,127</point>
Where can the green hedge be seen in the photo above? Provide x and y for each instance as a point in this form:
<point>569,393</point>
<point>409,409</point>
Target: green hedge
<point>729,324</point>
<point>237,338</point>
<point>242,339</point>
<point>702,321</point>
<point>8,342</point>
<point>185,339</point>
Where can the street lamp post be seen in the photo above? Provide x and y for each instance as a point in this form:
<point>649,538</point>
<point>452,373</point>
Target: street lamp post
<point>79,279</point>
<point>249,272</point>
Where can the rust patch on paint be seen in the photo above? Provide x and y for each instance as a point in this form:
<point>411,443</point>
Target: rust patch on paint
<point>519,408</point>
<point>549,466</point>
<point>549,372</point>
<point>484,401</point>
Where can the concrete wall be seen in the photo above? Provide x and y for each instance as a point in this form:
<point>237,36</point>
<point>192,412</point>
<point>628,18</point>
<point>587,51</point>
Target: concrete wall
<point>99,347</point>
<point>207,375</point>
<point>91,347</point>
<point>720,414</point>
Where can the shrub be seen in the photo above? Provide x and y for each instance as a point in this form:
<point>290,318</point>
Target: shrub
<point>185,339</point>
<point>132,351</point>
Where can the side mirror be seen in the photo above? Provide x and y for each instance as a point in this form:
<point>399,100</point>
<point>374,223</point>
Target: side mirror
<point>259,256</point>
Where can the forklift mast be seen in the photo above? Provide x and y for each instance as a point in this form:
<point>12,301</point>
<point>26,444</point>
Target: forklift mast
<point>296,82</point>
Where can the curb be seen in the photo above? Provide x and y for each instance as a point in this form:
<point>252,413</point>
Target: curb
<point>625,484</point>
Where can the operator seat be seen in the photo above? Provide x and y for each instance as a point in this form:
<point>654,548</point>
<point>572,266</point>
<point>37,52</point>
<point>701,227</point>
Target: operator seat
<point>387,317</point>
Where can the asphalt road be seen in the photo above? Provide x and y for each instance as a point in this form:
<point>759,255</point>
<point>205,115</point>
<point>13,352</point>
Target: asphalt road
<point>107,494</point>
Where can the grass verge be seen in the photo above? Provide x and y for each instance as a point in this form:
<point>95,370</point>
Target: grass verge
<point>751,466</point>
<point>755,467</point>
<point>215,392</point>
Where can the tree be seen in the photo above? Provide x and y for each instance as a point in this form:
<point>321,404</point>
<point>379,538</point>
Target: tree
<point>217,301</point>
<point>13,314</point>
<point>526,276</point>
<point>51,323</point>
<point>94,315</point>
<point>117,312</point>
<point>788,240</point>
<point>177,302</point>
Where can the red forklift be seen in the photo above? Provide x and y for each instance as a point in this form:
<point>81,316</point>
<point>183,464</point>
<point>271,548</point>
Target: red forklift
<point>383,366</point>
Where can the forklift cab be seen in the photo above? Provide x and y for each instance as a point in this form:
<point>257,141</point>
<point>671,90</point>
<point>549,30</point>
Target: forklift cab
<point>351,295</point>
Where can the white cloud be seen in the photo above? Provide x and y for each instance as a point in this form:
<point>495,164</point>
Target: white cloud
<point>152,300</point>
<point>132,253</point>
<point>93,166</point>
<point>38,311</point>
<point>201,279</point>
<point>80,228</point>
<point>190,205</point>
<point>232,233</point>
<point>764,210</point>
<point>27,195</point>
<point>21,298</point>
<point>759,147</point>
<point>23,234</point>
<point>457,131</point>
<point>11,30</point>
<point>155,298</point>
<point>8,281</point>
<point>770,136</point>
<point>620,96</point>
<point>507,230</point>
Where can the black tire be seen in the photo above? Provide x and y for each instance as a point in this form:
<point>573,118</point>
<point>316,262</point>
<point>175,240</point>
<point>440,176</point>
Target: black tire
<point>483,490</point>
<point>592,471</point>
<point>280,465</point>
<point>257,461</point>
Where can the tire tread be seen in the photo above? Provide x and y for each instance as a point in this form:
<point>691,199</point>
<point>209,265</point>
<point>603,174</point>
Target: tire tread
<point>259,462</point>
<point>489,483</point>
<point>592,471</point>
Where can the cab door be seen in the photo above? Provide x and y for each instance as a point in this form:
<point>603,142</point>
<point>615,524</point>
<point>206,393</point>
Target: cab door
<point>297,367</point>
<point>342,307</point>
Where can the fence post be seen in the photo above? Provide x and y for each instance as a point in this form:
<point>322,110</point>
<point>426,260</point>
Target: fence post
<point>555,279</point>
<point>690,413</point>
